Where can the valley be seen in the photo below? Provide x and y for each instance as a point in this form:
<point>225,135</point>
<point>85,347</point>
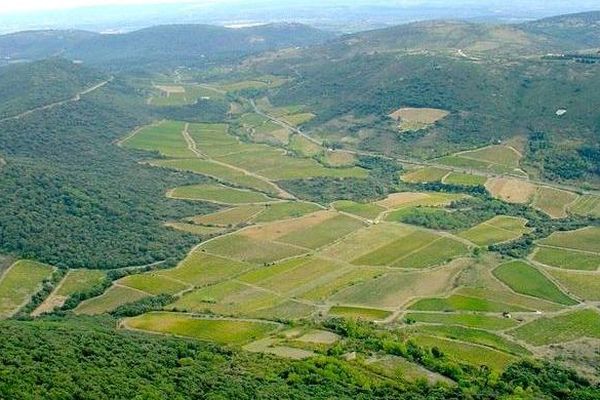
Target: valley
<point>385,206</point>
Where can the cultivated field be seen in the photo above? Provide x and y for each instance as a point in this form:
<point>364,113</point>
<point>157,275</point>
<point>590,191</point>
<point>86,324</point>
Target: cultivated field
<point>584,285</point>
<point>561,328</point>
<point>76,280</point>
<point>552,201</point>
<point>414,119</point>
<point>457,178</point>
<point>525,279</point>
<point>586,240</point>
<point>164,137</point>
<point>114,297</point>
<point>498,159</point>
<point>470,320</point>
<point>458,302</point>
<point>364,210</point>
<point>19,282</point>
<point>223,331</point>
<point>426,174</point>
<point>586,205</point>
<point>368,314</point>
<point>219,194</point>
<point>567,259</point>
<point>511,190</point>
<point>496,230</point>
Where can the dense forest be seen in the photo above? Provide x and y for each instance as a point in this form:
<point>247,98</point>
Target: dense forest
<point>63,358</point>
<point>71,197</point>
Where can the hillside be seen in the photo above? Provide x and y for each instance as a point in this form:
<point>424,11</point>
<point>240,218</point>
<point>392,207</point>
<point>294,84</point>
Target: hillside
<point>578,30</point>
<point>160,46</point>
<point>492,80</point>
<point>99,206</point>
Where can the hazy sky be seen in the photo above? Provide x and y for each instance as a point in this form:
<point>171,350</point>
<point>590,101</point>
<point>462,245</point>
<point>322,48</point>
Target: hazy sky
<point>39,5</point>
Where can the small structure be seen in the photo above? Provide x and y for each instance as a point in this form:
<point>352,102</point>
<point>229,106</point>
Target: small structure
<point>506,314</point>
<point>560,112</point>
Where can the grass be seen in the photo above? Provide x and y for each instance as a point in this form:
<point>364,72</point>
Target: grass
<point>229,217</point>
<point>369,314</point>
<point>561,328</point>
<point>457,302</point>
<point>267,272</point>
<point>583,285</point>
<point>219,194</point>
<point>552,201</point>
<point>463,352</point>
<point>363,210</point>
<point>470,320</point>
<point>323,233</point>
<point>114,297</point>
<point>586,205</point>
<point>21,281</point>
<point>220,172</point>
<point>153,283</point>
<point>411,199</point>
<point>400,248</point>
<point>251,250</point>
<point>221,331</point>
<point>285,210</point>
<point>200,269</point>
<point>164,137</point>
<point>194,229</point>
<point>287,310</point>
<point>79,280</point>
<point>426,174</point>
<point>526,279</point>
<point>414,119</point>
<point>475,336</point>
<point>567,259</point>
<point>496,230</point>
<point>439,252</point>
<point>587,239</point>
<point>458,178</point>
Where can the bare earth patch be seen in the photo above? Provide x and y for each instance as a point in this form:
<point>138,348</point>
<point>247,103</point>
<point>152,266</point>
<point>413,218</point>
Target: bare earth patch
<point>511,190</point>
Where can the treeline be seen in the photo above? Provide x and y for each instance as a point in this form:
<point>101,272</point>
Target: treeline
<point>200,111</point>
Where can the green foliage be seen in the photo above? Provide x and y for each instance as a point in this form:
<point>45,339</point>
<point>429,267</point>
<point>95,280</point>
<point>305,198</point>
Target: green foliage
<point>99,207</point>
<point>147,304</point>
<point>200,111</point>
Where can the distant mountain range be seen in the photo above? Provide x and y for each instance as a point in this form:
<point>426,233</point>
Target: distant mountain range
<point>166,45</point>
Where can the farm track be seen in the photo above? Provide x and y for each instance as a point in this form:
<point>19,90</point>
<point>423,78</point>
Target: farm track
<point>73,99</point>
<point>424,163</point>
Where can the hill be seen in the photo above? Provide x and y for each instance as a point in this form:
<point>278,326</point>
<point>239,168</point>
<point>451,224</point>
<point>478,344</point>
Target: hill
<point>493,80</point>
<point>160,46</point>
<point>99,207</point>
<point>579,30</point>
